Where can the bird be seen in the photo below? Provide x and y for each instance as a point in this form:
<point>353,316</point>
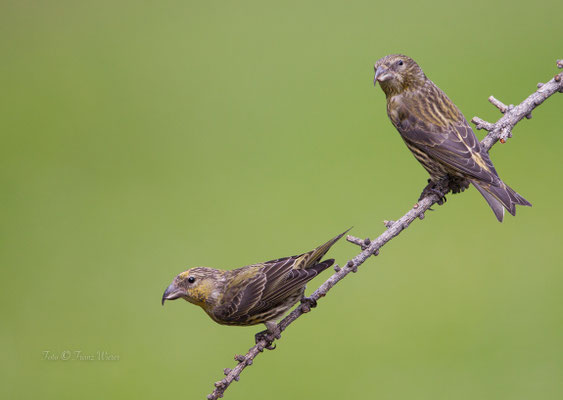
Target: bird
<point>439,136</point>
<point>253,294</point>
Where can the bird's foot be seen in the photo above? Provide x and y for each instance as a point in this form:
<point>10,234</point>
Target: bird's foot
<point>307,303</point>
<point>438,189</point>
<point>268,335</point>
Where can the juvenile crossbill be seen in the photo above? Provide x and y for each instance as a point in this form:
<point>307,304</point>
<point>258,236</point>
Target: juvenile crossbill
<point>254,294</point>
<point>439,136</point>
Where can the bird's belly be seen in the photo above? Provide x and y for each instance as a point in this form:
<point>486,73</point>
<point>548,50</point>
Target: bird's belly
<point>436,169</point>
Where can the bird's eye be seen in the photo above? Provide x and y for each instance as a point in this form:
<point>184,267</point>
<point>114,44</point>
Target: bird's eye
<point>400,62</point>
<point>191,279</point>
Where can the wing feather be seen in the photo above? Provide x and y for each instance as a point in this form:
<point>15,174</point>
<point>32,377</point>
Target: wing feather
<point>270,286</point>
<point>454,144</point>
<point>259,287</point>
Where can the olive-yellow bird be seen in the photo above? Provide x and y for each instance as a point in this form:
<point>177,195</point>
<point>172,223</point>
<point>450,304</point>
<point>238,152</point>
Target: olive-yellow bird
<point>439,136</point>
<point>254,294</point>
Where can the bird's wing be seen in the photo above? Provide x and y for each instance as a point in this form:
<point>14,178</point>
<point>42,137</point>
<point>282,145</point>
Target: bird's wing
<point>294,280</point>
<point>273,282</point>
<point>257,288</point>
<point>454,144</point>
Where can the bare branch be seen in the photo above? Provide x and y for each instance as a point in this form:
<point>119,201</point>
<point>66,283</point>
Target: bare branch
<point>481,124</point>
<point>498,104</point>
<point>363,243</point>
<point>500,130</point>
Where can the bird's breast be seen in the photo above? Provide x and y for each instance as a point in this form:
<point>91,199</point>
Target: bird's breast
<point>397,110</point>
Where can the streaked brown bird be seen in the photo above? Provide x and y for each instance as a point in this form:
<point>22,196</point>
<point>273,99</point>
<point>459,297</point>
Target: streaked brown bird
<point>258,293</point>
<point>439,136</point>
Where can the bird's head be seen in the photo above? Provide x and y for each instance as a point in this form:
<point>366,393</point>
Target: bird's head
<point>196,285</point>
<point>397,73</point>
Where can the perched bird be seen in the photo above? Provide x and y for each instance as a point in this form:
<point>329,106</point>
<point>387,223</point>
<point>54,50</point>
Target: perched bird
<point>439,136</point>
<point>258,293</point>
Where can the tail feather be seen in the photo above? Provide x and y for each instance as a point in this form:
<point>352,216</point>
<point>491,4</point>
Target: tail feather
<point>495,204</point>
<point>313,257</point>
<point>320,267</point>
<point>500,197</point>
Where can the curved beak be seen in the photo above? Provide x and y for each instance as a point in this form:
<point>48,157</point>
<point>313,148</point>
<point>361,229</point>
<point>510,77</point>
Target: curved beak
<point>172,292</point>
<point>381,75</point>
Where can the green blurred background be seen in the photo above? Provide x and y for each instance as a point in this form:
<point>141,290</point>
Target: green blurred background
<point>140,138</point>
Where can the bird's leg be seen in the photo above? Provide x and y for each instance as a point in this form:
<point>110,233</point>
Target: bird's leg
<point>438,188</point>
<point>307,303</point>
<point>271,333</point>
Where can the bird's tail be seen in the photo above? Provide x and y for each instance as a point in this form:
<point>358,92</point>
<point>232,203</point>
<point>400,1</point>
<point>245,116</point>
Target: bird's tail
<point>314,256</point>
<point>500,197</point>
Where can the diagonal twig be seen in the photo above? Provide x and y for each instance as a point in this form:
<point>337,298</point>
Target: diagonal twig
<point>500,130</point>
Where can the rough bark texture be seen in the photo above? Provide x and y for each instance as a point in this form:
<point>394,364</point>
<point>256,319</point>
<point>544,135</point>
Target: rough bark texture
<point>500,130</point>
